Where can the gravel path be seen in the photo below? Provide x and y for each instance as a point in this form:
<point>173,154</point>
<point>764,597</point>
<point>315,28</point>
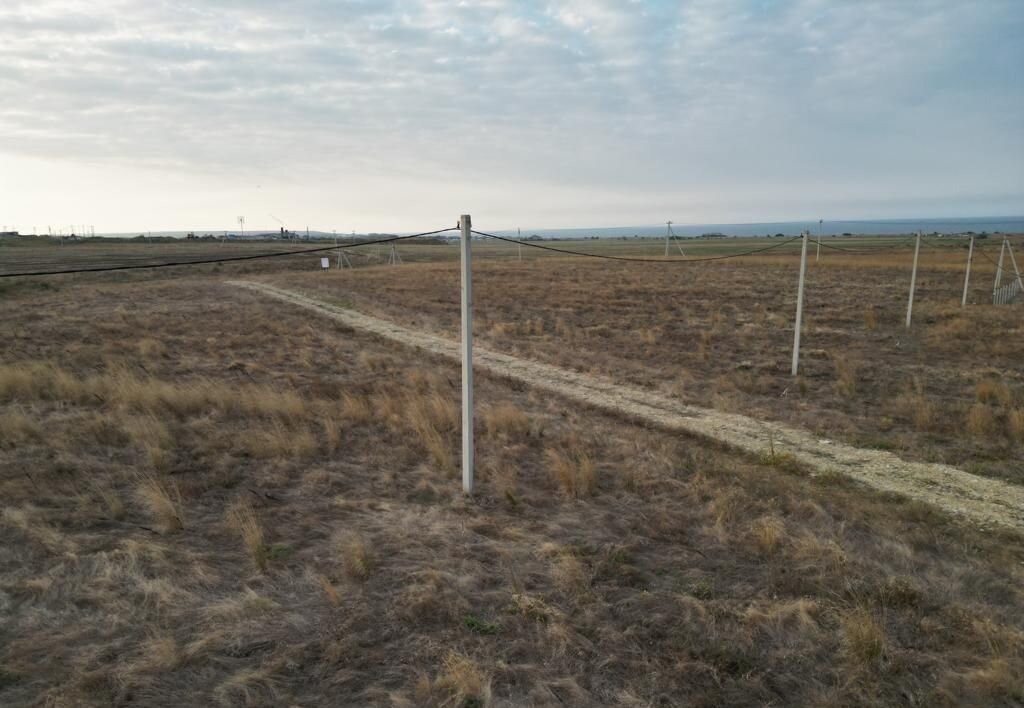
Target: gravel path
<point>984,501</point>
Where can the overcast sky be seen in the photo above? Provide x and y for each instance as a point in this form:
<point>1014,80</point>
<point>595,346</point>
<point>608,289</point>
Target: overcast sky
<point>379,115</point>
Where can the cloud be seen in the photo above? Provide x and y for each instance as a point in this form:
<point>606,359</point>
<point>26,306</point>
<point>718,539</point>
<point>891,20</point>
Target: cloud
<point>715,103</point>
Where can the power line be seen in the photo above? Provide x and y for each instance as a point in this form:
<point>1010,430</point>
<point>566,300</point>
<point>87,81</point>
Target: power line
<point>866,251</point>
<point>229,259</point>
<point>989,258</point>
<point>566,251</point>
<point>891,249</point>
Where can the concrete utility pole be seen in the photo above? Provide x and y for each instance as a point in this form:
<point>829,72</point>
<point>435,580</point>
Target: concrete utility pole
<point>913,279</point>
<point>466,224</point>
<point>1013,260</point>
<point>800,304</point>
<point>668,232</point>
<point>394,258</point>
<point>999,269</point>
<point>967,275</point>
<point>818,256</point>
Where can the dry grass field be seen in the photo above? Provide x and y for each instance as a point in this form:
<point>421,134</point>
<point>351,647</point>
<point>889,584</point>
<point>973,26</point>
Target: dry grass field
<point>719,334</point>
<point>210,498</point>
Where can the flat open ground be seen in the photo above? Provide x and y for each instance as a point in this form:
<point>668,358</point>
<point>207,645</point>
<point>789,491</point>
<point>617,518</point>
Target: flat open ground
<point>987,502</point>
<point>719,334</point>
<point>214,497</point>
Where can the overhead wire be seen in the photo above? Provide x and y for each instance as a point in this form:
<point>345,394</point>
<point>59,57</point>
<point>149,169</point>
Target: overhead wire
<point>633,259</point>
<point>133,258</point>
<point>865,251</point>
<point>228,259</point>
<point>893,248</point>
<point>991,260</point>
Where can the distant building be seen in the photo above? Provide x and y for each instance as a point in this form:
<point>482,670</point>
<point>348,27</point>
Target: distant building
<point>9,234</point>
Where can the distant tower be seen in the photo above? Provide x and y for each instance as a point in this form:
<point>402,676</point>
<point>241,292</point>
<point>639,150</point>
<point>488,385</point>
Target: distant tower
<point>241,226</point>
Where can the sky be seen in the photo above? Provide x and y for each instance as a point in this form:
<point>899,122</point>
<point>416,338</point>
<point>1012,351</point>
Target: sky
<point>380,115</point>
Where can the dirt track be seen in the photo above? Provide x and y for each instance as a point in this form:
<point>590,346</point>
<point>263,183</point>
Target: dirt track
<point>981,500</point>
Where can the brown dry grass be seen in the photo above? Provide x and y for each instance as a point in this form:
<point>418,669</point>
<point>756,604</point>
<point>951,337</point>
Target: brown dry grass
<point>357,559</point>
<point>647,326</point>
<point>846,375</point>
<point>694,576</point>
<point>433,417</point>
<point>980,420</point>
<point>994,392</point>
<point>243,520</point>
<point>573,469</point>
<point>506,420</point>
<point>163,501</point>
<point>17,428</point>
<point>864,638</point>
<point>465,681</point>
<point>768,533</point>
<point>1016,423</point>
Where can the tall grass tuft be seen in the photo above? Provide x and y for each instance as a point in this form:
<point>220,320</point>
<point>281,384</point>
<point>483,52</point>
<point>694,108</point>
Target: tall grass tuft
<point>980,420</point>
<point>1015,422</point>
<point>505,420</point>
<point>434,417</point>
<point>242,519</point>
<point>846,375</point>
<point>356,558</point>
<point>465,683</point>
<point>163,500</point>
<point>573,470</point>
<point>864,638</point>
<point>993,392</point>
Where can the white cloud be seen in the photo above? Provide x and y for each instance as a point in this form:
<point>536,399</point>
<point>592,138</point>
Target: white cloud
<point>710,107</point>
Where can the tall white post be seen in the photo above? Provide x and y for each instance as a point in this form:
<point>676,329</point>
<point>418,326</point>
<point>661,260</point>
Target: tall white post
<point>1013,261</point>
<point>466,223</point>
<point>967,275</point>
<point>519,237</point>
<point>800,304</point>
<point>999,269</point>
<point>913,279</point>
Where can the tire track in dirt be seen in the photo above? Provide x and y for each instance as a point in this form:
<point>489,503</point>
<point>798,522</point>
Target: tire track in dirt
<point>987,502</point>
